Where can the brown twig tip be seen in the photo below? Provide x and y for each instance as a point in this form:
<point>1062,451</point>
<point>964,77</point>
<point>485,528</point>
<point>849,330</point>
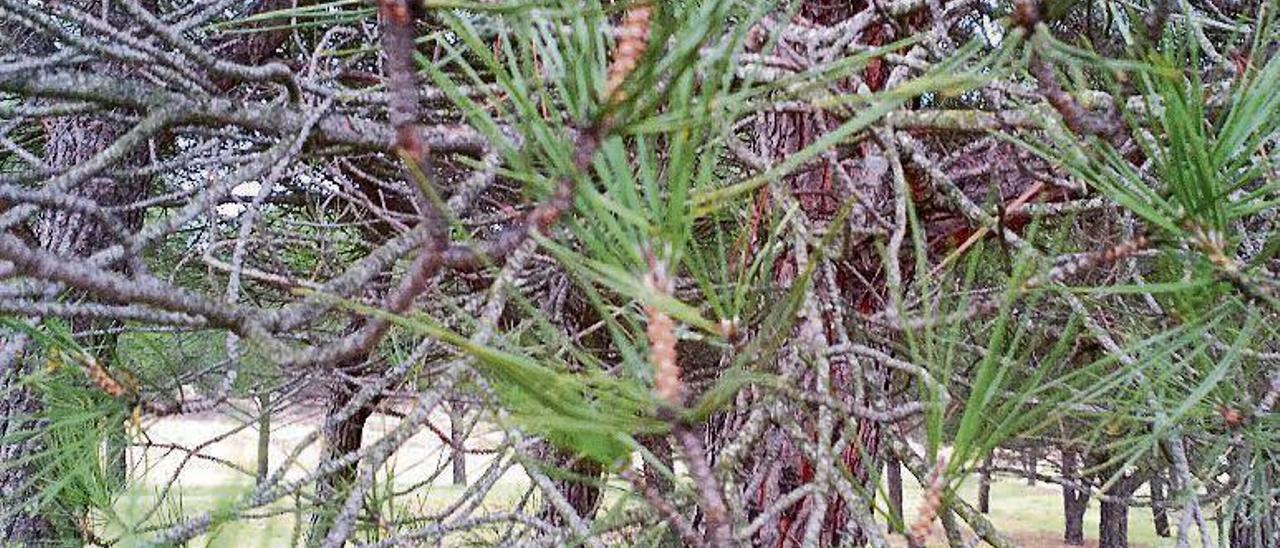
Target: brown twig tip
<point>1125,249</point>
<point>1111,255</point>
<point>398,12</point>
<point>930,505</point>
<point>1232,417</point>
<point>662,339</point>
<point>1026,13</point>
<point>410,142</point>
<point>1213,245</point>
<point>729,329</point>
<point>633,40</point>
<point>99,377</point>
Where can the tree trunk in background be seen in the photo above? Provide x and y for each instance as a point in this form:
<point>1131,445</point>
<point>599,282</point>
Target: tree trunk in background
<point>70,141</point>
<point>1256,523</point>
<point>264,437</point>
<point>660,446</point>
<point>1242,533</point>
<point>1113,529</point>
<point>1074,501</point>
<point>20,521</point>
<point>344,437</point>
<point>578,480</point>
<point>984,487</point>
<point>1159,499</point>
<point>1255,526</point>
<point>458,437</point>
<point>893,484</point>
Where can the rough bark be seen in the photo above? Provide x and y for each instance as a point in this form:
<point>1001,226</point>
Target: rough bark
<point>1074,501</point>
<point>1256,525</point>
<point>1159,501</point>
<point>1255,522</point>
<point>661,449</point>
<point>984,486</point>
<point>782,466</point>
<point>893,484</point>
<point>70,141</point>
<point>1113,529</point>
<point>21,522</point>
<point>457,437</point>
<point>1242,534</point>
<point>343,437</point>
<point>578,479</point>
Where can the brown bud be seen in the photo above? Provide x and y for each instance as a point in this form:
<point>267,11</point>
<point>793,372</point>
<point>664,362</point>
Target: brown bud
<point>1230,416</point>
<point>398,12</point>
<point>1026,13</point>
<point>633,40</point>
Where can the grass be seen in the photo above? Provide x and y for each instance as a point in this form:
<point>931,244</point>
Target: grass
<point>1031,515</point>
<point>275,525</point>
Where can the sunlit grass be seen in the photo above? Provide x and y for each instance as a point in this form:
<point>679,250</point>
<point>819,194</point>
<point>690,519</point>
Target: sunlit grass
<point>275,525</point>
<point>1030,515</point>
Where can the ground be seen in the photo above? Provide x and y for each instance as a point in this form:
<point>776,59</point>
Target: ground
<point>1031,515</point>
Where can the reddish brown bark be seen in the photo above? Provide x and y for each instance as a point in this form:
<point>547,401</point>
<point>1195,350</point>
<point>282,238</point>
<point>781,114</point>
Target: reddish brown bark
<point>782,467</point>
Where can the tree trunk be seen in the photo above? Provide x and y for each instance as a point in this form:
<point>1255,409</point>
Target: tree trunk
<point>264,436</point>
<point>458,437</point>
<point>781,466</point>
<point>660,446</point>
<point>1159,501</point>
<point>1074,501</point>
<point>70,141</point>
<point>1252,513</point>
<point>1243,534</point>
<point>1256,522</point>
<point>1030,460</point>
<point>578,479</point>
<point>1113,529</point>
<point>984,487</point>
<point>1256,525</point>
<point>893,484</point>
<point>21,521</point>
<point>651,474</point>
<point>344,437</point>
